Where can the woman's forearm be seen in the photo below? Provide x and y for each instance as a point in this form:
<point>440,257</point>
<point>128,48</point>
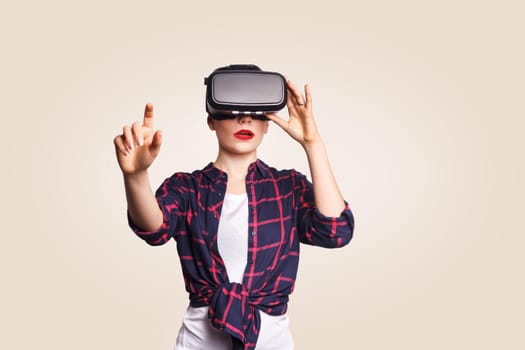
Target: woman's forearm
<point>143,208</point>
<point>328,198</point>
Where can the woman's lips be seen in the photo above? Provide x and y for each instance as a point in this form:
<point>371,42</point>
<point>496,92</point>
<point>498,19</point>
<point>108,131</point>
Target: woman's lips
<point>244,134</point>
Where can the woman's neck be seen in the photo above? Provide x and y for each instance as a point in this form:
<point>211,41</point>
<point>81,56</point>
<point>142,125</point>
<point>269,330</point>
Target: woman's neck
<point>235,166</point>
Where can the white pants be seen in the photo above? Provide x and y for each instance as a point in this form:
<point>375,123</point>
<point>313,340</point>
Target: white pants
<point>197,333</point>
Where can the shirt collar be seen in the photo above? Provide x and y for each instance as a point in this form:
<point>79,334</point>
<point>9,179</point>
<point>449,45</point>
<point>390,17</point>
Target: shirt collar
<point>215,174</point>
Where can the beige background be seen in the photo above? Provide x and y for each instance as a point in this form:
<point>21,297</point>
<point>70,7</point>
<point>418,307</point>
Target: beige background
<point>421,107</point>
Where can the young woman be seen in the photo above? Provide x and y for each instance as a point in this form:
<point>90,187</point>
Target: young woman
<point>238,223</point>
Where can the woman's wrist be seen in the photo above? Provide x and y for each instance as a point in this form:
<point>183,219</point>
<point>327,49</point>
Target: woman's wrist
<point>137,177</point>
<point>313,145</point>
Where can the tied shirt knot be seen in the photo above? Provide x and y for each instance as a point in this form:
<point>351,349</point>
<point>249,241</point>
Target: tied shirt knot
<point>234,310</point>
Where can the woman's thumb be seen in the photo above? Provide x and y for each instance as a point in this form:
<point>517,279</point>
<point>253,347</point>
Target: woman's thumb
<point>156,142</point>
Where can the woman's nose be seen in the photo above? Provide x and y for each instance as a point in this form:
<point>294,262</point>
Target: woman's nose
<point>244,118</point>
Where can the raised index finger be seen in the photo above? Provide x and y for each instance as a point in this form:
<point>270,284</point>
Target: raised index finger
<point>148,116</point>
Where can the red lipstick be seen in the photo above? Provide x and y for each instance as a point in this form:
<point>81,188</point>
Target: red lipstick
<point>244,134</point>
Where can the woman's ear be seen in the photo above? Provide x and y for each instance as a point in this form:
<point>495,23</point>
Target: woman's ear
<point>210,123</point>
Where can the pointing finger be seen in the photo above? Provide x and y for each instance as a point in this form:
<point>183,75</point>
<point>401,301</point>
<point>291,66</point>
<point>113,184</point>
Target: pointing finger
<point>148,116</point>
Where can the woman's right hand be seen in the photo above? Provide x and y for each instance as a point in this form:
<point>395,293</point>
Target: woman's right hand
<point>138,145</point>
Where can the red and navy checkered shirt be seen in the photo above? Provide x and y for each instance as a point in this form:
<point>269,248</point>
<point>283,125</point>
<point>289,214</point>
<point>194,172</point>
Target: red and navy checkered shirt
<point>281,215</point>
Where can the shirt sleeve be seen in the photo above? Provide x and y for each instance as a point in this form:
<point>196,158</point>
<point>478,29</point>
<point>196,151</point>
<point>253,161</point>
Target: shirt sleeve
<point>170,197</point>
<point>313,227</point>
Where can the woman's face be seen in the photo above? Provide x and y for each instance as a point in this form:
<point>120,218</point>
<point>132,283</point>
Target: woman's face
<point>240,135</point>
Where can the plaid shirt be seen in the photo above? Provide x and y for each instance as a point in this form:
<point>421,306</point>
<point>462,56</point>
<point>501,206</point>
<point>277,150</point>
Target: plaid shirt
<point>281,214</point>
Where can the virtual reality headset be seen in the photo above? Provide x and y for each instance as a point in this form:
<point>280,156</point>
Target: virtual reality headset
<point>244,90</point>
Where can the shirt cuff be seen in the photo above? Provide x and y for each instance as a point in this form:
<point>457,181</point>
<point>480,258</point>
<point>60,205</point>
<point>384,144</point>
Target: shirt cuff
<point>343,216</point>
<point>155,237</point>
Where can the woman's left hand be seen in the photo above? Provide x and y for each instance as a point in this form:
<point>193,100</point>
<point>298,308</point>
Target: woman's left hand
<point>300,124</point>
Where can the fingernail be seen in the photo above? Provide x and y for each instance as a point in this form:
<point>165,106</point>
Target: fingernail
<point>141,142</point>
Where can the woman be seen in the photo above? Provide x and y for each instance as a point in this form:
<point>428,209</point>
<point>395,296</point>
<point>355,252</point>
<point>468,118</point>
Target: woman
<point>238,223</point>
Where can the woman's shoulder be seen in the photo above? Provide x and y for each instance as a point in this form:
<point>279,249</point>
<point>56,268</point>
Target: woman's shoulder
<point>285,175</point>
<point>199,176</point>
<point>279,171</point>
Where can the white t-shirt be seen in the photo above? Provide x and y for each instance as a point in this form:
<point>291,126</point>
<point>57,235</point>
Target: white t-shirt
<point>196,332</point>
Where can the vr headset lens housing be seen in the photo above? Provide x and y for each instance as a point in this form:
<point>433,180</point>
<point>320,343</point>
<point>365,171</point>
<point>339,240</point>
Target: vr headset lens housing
<point>247,89</point>
<point>231,93</point>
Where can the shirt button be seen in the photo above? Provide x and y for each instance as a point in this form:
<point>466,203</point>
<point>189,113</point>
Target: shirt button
<point>254,233</point>
<point>250,260</point>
